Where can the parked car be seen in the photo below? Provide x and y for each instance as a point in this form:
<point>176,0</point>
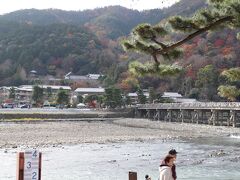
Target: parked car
<point>7,105</point>
<point>25,106</point>
<point>49,106</point>
<point>81,105</point>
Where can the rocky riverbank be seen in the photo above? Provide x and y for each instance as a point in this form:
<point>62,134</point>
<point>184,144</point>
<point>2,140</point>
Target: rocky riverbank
<point>45,134</point>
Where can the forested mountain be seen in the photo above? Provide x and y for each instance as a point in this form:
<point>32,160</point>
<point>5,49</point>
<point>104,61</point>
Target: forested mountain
<point>53,49</point>
<point>204,59</point>
<point>55,42</point>
<point>115,20</point>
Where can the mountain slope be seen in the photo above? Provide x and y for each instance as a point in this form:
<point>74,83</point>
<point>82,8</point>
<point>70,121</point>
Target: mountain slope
<point>55,41</point>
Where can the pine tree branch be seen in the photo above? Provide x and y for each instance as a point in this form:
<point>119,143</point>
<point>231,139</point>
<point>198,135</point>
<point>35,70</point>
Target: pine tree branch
<point>159,43</point>
<point>163,46</point>
<point>198,32</point>
<point>155,59</point>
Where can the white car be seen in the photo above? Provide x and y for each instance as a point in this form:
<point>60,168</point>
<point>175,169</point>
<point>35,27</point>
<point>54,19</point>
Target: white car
<point>81,105</point>
<point>7,105</point>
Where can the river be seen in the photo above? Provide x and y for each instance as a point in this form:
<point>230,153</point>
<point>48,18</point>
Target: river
<point>198,159</point>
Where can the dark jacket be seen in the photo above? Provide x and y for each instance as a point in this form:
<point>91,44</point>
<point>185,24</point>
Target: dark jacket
<point>174,174</point>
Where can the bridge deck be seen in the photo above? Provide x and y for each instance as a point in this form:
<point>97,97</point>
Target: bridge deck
<point>190,106</point>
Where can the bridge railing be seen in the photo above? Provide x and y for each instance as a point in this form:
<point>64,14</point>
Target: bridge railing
<point>196,105</point>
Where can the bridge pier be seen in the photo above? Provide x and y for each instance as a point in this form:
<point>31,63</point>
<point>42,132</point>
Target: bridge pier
<point>168,117</point>
<point>232,119</point>
<point>195,117</point>
<point>181,116</point>
<point>156,115</point>
<point>213,118</point>
<point>149,114</point>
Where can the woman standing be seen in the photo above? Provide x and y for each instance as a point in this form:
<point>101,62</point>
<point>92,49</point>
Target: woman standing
<point>165,170</point>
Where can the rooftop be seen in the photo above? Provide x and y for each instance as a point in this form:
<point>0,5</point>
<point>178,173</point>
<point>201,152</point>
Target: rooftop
<point>45,87</point>
<point>90,90</point>
<point>171,95</point>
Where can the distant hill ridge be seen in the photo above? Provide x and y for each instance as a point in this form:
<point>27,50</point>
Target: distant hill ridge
<point>110,16</point>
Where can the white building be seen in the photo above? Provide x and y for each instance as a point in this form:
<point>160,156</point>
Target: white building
<point>5,92</point>
<point>171,95</point>
<point>93,76</point>
<point>89,91</point>
<point>53,88</point>
<point>24,92</point>
<point>70,76</point>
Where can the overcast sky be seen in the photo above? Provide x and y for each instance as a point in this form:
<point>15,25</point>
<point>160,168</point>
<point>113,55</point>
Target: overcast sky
<point>13,5</point>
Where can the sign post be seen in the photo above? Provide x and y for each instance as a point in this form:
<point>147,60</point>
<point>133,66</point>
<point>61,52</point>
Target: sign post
<point>29,165</point>
<point>132,175</point>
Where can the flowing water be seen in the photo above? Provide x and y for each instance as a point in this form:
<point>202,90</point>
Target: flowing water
<point>198,159</point>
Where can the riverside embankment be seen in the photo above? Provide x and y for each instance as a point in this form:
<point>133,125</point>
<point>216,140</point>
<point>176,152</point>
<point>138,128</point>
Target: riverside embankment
<point>58,133</point>
<point>59,114</point>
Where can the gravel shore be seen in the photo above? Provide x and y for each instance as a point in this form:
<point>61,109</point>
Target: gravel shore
<point>46,134</point>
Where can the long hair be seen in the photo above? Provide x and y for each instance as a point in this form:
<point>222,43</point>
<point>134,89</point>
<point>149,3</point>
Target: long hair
<point>168,158</point>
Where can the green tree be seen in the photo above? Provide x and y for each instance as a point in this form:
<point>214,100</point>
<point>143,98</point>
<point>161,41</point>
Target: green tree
<point>37,95</point>
<point>230,91</point>
<point>128,100</point>
<point>37,82</point>
<point>149,39</point>
<point>113,97</point>
<point>62,97</point>
<point>80,99</point>
<point>90,98</point>
<point>207,82</point>
<point>12,93</point>
<point>141,97</point>
<point>20,76</point>
<point>152,94</point>
<point>49,92</point>
<point>100,100</point>
<point>194,93</point>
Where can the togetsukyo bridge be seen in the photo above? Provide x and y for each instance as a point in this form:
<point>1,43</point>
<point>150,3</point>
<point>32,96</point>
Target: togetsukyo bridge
<point>214,113</point>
